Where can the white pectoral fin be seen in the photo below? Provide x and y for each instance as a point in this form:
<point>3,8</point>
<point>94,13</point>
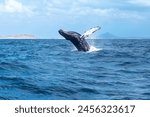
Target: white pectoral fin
<point>91,31</point>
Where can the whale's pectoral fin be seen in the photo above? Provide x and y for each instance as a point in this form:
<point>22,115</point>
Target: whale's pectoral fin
<point>89,32</point>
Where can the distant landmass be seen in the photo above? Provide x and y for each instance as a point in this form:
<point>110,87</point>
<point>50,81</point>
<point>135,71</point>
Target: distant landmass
<point>18,36</point>
<point>108,35</point>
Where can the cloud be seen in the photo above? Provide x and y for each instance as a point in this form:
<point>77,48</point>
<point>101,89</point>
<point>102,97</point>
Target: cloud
<point>98,9</point>
<point>14,6</point>
<point>140,2</point>
<point>87,9</point>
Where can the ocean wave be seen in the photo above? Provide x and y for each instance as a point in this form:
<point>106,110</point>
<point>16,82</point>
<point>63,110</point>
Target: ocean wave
<point>52,69</point>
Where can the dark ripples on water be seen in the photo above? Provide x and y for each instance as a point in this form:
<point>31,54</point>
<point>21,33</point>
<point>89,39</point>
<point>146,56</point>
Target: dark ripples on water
<point>52,69</point>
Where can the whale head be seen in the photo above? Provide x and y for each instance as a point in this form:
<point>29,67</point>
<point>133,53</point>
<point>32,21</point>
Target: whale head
<point>61,31</point>
<point>75,38</point>
<point>65,34</point>
<point>69,34</point>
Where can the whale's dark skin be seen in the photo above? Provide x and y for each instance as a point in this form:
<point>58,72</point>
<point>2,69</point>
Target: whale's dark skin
<point>75,38</point>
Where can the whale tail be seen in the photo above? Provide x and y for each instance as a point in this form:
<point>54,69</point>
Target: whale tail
<point>89,32</point>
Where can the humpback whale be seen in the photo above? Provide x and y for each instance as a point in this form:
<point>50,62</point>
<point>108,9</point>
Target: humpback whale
<point>77,39</point>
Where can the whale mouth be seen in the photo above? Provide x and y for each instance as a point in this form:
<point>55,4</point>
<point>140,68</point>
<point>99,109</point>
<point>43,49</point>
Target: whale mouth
<point>61,31</point>
<point>64,34</point>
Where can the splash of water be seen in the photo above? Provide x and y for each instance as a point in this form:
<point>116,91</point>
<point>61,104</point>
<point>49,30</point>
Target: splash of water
<point>94,49</point>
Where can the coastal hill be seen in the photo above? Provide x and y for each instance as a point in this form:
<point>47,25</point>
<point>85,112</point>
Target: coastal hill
<point>18,36</point>
<point>108,35</point>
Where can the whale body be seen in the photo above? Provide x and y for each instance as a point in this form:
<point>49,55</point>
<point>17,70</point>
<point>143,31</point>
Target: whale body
<point>77,39</point>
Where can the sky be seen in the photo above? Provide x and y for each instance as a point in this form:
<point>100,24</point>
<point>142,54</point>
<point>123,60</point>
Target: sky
<point>43,18</point>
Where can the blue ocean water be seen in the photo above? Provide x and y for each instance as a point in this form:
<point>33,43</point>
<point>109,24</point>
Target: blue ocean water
<point>53,69</point>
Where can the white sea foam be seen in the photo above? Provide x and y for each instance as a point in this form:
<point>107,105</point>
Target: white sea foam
<point>94,49</point>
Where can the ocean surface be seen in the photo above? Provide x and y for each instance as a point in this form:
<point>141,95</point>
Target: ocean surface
<point>55,70</point>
